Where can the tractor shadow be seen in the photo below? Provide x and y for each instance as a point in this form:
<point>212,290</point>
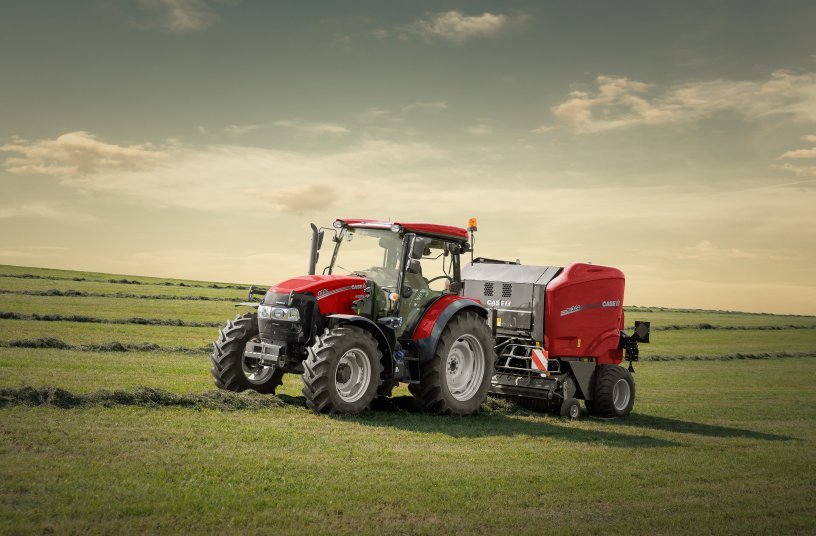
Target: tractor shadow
<point>401,413</point>
<point>650,422</point>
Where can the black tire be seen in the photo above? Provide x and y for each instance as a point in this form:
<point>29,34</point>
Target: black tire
<point>227,359</point>
<point>590,407</point>
<point>570,409</point>
<point>328,360</point>
<point>433,393</point>
<point>606,404</point>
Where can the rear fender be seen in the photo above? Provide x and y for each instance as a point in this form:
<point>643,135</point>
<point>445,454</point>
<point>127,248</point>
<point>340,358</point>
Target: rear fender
<point>386,341</point>
<point>426,335</point>
<point>606,348</point>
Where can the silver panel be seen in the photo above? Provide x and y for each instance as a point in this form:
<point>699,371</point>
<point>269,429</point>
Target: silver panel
<point>516,291</point>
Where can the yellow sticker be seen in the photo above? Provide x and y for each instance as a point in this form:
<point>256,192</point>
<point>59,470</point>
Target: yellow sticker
<point>579,343</point>
<point>498,321</point>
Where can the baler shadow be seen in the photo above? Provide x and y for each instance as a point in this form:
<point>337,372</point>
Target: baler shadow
<point>636,420</point>
<point>401,413</point>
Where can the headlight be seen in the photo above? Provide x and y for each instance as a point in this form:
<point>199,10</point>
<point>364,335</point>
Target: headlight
<point>285,314</point>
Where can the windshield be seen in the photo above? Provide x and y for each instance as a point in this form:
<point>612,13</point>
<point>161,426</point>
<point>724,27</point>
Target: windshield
<point>370,253</point>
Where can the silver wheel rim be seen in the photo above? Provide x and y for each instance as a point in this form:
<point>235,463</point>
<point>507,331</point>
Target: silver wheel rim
<point>621,394</point>
<point>464,368</point>
<point>257,374</point>
<point>353,375</point>
<point>574,411</point>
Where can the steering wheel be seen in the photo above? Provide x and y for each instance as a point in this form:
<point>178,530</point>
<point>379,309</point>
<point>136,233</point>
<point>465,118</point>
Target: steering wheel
<point>449,278</point>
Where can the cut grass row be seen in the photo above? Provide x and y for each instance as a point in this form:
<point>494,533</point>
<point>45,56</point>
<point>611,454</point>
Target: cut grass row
<point>24,272</point>
<point>118,308</point>
<point>668,343</point>
<point>12,285</point>
<point>57,317</point>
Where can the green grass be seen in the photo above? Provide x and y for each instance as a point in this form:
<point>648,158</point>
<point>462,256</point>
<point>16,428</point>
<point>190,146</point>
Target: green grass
<point>9,270</point>
<point>200,311</point>
<point>84,333</point>
<point>684,318</point>
<point>712,446</point>
<point>14,284</point>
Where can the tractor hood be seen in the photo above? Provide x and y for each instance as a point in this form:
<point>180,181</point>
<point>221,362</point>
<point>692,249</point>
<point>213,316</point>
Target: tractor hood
<point>317,283</point>
<point>334,293</point>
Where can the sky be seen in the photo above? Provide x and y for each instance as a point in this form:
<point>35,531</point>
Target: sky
<point>199,138</point>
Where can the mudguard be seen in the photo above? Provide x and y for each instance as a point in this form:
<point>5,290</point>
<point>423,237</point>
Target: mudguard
<point>426,335</point>
<point>385,340</point>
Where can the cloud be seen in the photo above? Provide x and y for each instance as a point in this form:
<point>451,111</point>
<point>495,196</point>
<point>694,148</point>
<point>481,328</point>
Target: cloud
<point>334,129</point>
<point>75,154</point>
<point>238,130</point>
<point>45,211</point>
<point>478,130</point>
<point>542,129</point>
<point>809,137</point>
<point>180,16</point>
<point>619,102</point>
<point>797,154</point>
<point>457,27</point>
<point>706,250</point>
<point>433,106</point>
<point>312,197</point>
<point>799,171</point>
<point>800,153</point>
<point>226,178</point>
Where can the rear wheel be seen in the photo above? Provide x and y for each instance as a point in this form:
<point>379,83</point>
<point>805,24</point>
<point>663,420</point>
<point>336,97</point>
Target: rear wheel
<point>234,372</point>
<point>342,372</point>
<point>614,392</point>
<point>456,380</point>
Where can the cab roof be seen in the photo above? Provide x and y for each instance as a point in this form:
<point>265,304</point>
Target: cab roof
<point>445,232</point>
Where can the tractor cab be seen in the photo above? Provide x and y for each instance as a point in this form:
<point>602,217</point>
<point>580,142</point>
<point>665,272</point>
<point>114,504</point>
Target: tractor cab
<point>407,266</point>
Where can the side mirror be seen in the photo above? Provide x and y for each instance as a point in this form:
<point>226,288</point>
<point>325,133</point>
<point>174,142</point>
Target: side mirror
<point>418,248</point>
<point>414,267</point>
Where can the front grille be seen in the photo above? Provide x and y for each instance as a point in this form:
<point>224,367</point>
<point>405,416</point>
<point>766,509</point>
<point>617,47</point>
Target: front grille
<point>488,288</point>
<point>507,290</point>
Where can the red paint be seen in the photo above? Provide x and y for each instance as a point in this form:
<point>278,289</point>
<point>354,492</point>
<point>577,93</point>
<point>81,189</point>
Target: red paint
<point>445,231</point>
<point>585,303</point>
<point>335,293</point>
<point>426,325</point>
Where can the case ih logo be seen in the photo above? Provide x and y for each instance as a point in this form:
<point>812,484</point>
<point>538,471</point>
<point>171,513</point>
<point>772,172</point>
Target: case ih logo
<point>324,293</point>
<point>577,308</point>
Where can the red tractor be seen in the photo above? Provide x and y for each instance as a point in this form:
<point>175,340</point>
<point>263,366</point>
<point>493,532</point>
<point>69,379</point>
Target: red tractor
<point>394,304</point>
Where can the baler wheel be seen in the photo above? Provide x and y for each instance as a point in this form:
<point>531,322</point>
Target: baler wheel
<point>570,409</point>
<point>343,371</point>
<point>614,392</point>
<point>455,381</point>
<point>229,368</point>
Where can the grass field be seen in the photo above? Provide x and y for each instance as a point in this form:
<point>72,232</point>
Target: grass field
<point>716,444</point>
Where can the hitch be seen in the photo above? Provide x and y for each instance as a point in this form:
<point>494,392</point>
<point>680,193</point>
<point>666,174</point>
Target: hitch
<point>629,343</point>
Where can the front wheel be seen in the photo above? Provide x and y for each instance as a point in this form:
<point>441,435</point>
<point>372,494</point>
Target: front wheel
<point>234,372</point>
<point>342,372</point>
<point>455,381</point>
